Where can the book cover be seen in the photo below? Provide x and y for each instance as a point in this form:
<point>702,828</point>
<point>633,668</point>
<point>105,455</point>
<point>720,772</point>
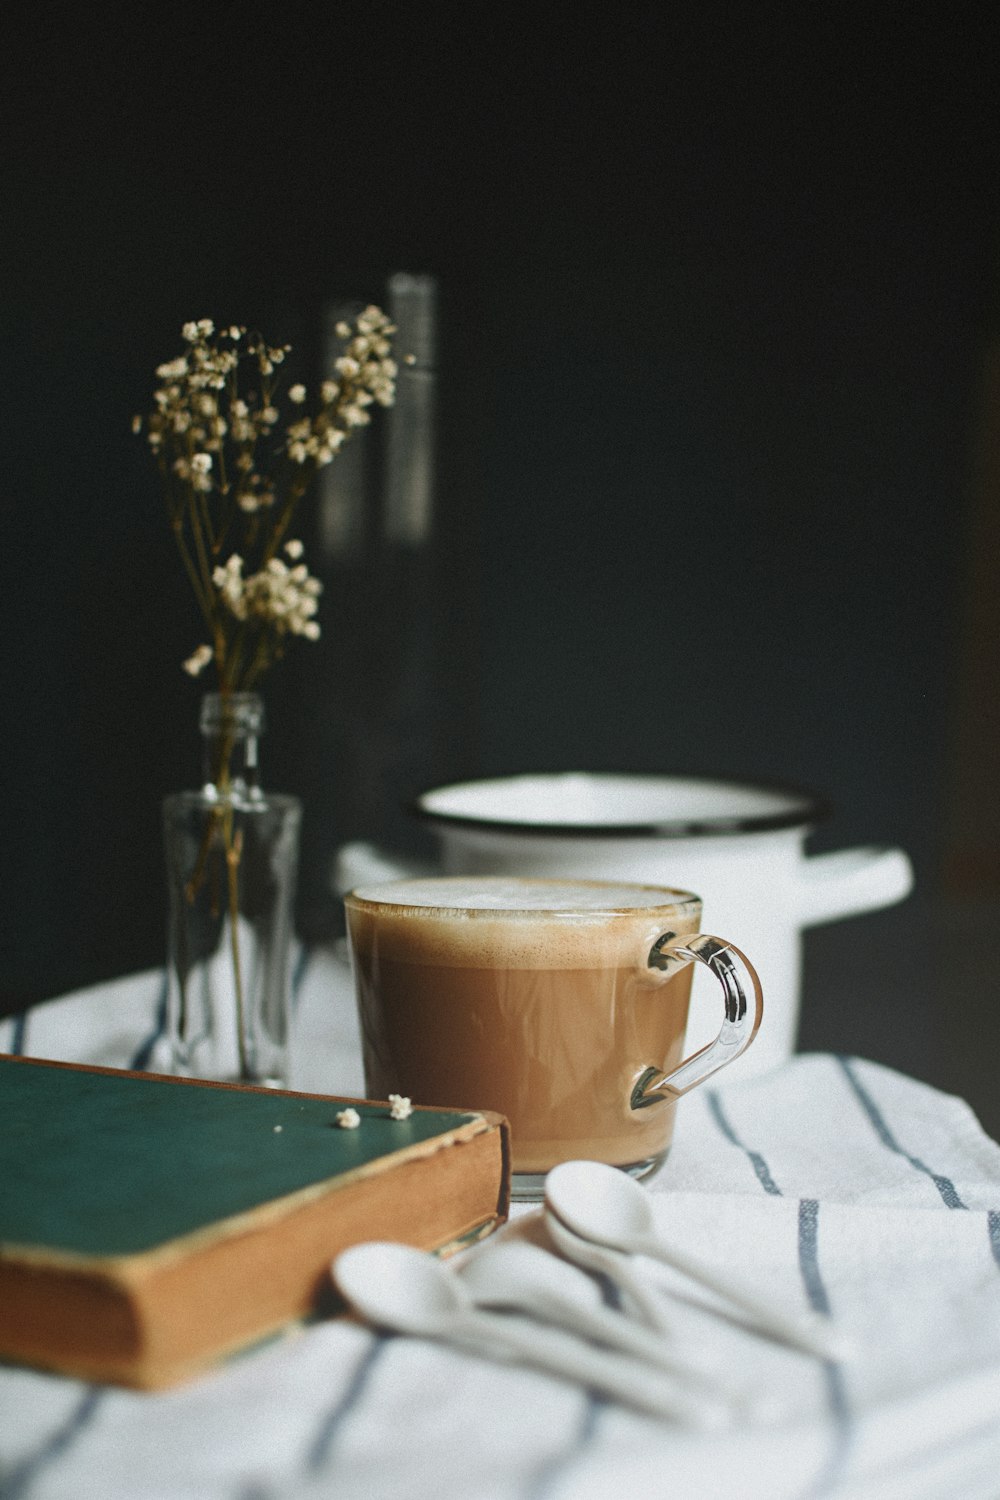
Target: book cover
<point>151,1225</point>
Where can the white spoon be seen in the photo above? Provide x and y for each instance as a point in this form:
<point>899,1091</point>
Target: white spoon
<point>395,1286</point>
<point>607,1207</point>
<point>526,1278</point>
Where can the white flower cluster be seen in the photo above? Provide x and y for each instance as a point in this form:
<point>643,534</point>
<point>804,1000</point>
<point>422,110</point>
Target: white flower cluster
<point>367,377</point>
<point>198,406</point>
<point>193,420</point>
<point>366,364</point>
<point>286,597</point>
<point>233,478</point>
<point>316,440</point>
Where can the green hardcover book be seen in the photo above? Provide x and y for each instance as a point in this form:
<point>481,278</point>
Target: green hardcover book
<point>151,1225</point>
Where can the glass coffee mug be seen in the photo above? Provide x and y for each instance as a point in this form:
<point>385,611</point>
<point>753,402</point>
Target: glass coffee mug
<point>560,1004</point>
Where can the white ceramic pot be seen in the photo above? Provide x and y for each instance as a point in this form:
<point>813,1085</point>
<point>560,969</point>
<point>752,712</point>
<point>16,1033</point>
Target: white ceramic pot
<point>737,845</point>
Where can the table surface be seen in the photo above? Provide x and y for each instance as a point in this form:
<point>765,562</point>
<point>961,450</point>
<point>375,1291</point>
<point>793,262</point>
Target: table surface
<point>836,1183</point>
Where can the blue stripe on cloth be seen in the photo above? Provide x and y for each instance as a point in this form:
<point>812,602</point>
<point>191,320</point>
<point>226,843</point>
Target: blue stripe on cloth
<point>551,1470</point>
<point>302,961</point>
<point>993,1226</point>
<point>18,1480</point>
<point>140,1058</point>
<point>944,1185</point>
<point>325,1439</point>
<point>144,1051</point>
<point>819,1301</point>
<point>19,1039</point>
<point>536,1484</point>
<point>761,1169</point>
<point>836,1390</point>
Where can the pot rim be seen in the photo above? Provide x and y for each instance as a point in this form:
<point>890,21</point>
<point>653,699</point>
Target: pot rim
<point>803,808</point>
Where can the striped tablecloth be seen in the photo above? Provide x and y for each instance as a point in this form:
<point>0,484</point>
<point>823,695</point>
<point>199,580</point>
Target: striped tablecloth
<point>839,1184</point>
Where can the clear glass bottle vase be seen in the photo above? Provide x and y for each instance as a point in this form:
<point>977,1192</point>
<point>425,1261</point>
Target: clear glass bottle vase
<point>232,859</point>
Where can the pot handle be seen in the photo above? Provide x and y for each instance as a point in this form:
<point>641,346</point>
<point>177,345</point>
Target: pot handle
<point>851,881</point>
<point>366,864</point>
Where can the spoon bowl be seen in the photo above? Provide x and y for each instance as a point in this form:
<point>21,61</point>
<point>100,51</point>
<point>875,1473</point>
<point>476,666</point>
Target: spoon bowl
<point>598,1202</point>
<point>398,1287</point>
<point>513,1273</point>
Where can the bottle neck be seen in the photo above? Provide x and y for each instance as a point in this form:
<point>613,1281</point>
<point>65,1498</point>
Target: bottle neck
<point>231,726</point>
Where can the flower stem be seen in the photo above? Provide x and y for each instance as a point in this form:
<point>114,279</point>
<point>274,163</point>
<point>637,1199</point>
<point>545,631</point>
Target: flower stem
<point>234,852</point>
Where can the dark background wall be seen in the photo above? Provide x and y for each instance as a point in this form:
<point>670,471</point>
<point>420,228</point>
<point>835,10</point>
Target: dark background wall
<point>716,323</point>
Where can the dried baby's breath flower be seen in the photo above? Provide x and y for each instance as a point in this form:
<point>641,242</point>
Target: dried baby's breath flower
<point>173,370</point>
<point>348,1119</point>
<point>283,597</point>
<point>198,660</point>
<point>233,478</point>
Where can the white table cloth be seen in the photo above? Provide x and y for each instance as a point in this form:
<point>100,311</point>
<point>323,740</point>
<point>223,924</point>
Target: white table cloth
<point>841,1185</point>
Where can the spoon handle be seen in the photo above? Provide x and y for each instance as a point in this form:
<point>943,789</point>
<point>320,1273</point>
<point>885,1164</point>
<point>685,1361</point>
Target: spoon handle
<point>618,1332</point>
<point>560,1353</point>
<point>614,1264</point>
<point>809,1331</point>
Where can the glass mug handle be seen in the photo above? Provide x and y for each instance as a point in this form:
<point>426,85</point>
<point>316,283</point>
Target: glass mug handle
<point>743,1009</point>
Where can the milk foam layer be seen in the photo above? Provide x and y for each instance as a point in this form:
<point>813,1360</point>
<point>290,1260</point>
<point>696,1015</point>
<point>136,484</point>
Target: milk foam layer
<point>502,922</point>
<point>502,893</point>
